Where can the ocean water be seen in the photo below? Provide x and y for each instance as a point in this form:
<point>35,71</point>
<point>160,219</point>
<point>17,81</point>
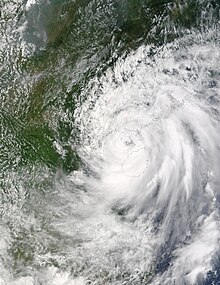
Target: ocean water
<point>110,142</point>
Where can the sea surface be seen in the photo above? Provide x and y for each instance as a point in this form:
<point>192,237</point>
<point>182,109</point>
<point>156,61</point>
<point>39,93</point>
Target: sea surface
<point>109,142</point>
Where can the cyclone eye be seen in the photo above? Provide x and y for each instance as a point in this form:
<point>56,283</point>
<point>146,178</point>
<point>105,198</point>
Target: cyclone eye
<point>128,141</point>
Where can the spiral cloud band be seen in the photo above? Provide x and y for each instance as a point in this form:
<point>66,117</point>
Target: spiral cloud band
<point>150,138</point>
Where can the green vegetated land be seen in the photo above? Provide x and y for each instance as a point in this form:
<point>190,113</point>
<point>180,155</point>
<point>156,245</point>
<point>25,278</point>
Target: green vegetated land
<point>73,42</point>
<point>48,55</point>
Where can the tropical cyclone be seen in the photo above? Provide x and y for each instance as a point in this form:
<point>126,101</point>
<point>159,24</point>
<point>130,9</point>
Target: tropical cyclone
<point>150,136</point>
